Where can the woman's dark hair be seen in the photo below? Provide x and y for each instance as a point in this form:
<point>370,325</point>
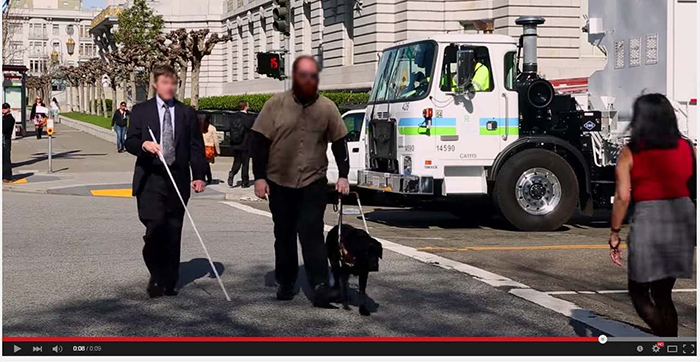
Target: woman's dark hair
<point>654,124</point>
<point>54,100</point>
<point>203,120</point>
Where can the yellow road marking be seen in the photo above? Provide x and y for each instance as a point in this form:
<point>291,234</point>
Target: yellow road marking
<point>19,181</point>
<point>112,192</point>
<point>523,247</point>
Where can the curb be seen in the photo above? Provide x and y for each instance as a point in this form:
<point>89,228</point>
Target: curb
<point>97,131</point>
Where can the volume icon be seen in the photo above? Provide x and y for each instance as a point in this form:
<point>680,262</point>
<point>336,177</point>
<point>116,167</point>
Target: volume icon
<point>57,349</point>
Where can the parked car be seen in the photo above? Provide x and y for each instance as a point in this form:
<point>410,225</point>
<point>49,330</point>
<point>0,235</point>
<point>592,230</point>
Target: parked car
<point>354,123</point>
<point>221,120</point>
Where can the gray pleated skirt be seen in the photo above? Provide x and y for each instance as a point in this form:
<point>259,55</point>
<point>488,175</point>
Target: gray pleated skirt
<point>662,240</point>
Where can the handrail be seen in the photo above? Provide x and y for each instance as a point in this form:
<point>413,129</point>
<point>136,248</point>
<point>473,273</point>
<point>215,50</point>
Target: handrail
<point>505,96</point>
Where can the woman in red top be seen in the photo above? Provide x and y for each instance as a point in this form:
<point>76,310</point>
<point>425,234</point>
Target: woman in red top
<point>654,170</point>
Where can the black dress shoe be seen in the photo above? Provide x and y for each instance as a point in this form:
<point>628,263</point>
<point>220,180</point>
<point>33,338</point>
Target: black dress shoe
<point>230,179</point>
<point>285,292</point>
<point>245,185</point>
<point>153,289</point>
<point>171,292</point>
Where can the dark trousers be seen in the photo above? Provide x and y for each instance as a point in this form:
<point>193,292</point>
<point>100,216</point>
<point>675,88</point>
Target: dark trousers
<point>241,159</point>
<point>39,130</point>
<point>299,212</point>
<point>207,176</point>
<point>6,163</point>
<point>162,213</point>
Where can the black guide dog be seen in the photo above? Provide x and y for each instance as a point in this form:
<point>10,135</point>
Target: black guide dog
<point>354,252</point>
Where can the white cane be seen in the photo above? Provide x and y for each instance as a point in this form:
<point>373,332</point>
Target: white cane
<point>162,159</point>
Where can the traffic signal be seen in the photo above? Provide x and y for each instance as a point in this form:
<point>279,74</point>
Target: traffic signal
<point>271,64</point>
<point>280,16</point>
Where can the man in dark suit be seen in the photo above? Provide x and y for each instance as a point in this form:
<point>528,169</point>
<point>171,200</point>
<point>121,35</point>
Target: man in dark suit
<point>174,126</point>
<point>241,151</point>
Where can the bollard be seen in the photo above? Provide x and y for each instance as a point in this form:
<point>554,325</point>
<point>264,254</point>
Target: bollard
<point>50,153</point>
<point>49,131</point>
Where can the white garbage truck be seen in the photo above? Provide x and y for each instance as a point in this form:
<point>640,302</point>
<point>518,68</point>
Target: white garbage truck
<point>456,115</point>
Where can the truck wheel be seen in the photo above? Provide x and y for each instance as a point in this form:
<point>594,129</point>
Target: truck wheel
<point>536,190</point>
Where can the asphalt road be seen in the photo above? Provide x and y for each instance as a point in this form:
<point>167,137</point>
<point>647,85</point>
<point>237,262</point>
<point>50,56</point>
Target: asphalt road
<point>572,263</point>
<point>72,267</point>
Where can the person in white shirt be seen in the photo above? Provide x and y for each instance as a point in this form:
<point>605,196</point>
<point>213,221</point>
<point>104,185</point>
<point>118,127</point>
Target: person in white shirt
<point>54,110</point>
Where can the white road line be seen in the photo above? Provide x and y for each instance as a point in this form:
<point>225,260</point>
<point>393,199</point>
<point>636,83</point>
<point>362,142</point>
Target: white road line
<point>569,309</point>
<point>613,291</point>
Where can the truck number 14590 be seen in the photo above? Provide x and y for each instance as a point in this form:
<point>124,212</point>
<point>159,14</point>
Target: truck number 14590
<point>446,148</point>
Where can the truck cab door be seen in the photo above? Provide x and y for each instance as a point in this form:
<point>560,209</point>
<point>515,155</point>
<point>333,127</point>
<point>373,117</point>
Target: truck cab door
<point>475,110</point>
<point>509,100</point>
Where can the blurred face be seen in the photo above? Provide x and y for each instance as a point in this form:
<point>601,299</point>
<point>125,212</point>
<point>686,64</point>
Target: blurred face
<point>305,79</point>
<point>6,110</point>
<point>122,107</point>
<point>37,100</point>
<point>165,86</point>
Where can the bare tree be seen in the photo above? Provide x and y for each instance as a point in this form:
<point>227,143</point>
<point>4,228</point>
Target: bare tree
<point>124,58</point>
<point>11,27</point>
<point>117,74</point>
<point>72,79</point>
<point>179,53</point>
<point>200,46</point>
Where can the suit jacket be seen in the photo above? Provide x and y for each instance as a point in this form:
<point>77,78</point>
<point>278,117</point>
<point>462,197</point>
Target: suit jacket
<point>189,145</point>
<point>247,119</point>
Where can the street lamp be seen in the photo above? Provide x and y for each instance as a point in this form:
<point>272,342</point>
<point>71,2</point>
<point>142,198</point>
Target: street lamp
<point>70,46</point>
<point>54,57</point>
<point>70,43</point>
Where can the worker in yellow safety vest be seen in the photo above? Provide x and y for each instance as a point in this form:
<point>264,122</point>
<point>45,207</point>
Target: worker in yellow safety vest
<point>481,80</point>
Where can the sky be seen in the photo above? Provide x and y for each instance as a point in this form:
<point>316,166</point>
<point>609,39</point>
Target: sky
<point>93,3</point>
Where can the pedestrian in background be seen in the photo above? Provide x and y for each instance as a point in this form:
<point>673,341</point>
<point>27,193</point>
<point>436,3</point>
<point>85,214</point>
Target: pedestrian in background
<point>8,125</point>
<point>120,121</point>
<point>656,171</point>
<point>211,142</point>
<point>241,124</point>
<point>290,139</point>
<point>38,102</point>
<point>54,110</point>
<point>40,119</point>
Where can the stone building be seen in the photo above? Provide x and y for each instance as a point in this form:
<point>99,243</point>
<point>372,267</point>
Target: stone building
<point>42,28</point>
<point>348,36</point>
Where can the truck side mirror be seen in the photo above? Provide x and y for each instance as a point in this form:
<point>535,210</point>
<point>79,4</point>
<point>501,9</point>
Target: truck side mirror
<point>465,68</point>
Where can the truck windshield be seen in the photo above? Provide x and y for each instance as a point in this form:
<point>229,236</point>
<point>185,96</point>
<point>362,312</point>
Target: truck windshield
<point>404,73</point>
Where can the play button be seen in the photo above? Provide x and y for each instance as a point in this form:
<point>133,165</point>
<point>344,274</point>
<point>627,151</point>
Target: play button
<point>17,348</point>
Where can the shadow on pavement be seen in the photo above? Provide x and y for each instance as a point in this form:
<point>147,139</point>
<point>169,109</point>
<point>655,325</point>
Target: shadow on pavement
<point>414,308</point>
<point>302,285</point>
<point>19,176</point>
<point>42,156</point>
<point>196,269</point>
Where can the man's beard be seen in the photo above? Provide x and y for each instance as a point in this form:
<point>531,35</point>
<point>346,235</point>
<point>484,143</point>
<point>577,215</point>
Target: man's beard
<point>305,92</point>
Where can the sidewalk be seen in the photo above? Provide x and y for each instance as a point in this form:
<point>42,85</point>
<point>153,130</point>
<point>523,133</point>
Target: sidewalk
<point>84,164</point>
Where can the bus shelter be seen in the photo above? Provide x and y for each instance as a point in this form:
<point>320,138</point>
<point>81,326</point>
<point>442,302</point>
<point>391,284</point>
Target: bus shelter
<point>14,87</point>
